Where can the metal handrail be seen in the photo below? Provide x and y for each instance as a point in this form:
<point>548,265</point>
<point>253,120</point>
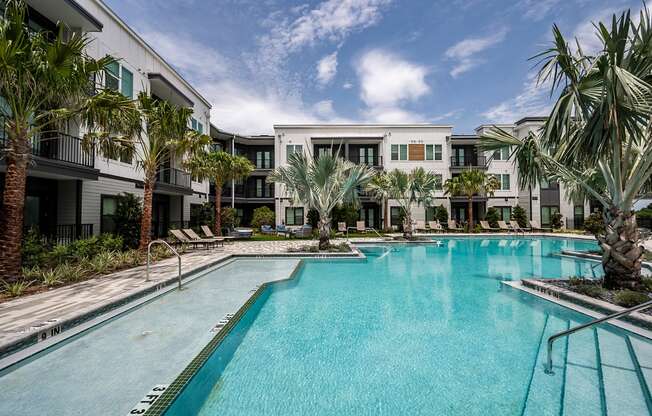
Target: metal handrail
<point>149,254</point>
<point>566,333</point>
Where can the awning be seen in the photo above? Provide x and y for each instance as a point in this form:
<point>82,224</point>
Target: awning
<point>67,11</point>
<point>163,88</point>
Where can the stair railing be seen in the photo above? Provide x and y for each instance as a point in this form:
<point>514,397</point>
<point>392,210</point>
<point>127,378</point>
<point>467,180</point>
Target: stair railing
<point>149,256</point>
<point>552,339</point>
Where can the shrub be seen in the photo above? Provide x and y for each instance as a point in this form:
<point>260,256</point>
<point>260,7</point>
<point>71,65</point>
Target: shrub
<point>128,215</point>
<point>557,220</point>
<point>34,249</point>
<point>594,224</point>
<point>313,217</point>
<point>263,216</point>
<point>588,289</point>
<point>202,214</point>
<point>646,282</point>
<point>50,277</point>
<point>629,298</point>
<point>520,216</point>
<point>345,213</point>
<point>32,273</point>
<point>16,288</point>
<point>230,218</point>
<point>441,214</point>
<point>110,242</point>
<point>492,216</point>
<point>85,248</point>
<point>70,273</point>
<point>102,263</point>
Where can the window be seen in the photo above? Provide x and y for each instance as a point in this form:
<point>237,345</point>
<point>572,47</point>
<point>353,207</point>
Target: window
<point>399,151</point>
<point>123,154</point>
<point>546,184</point>
<point>504,181</point>
<point>193,123</point>
<point>403,151</point>
<point>294,216</point>
<point>395,216</point>
<point>505,213</point>
<point>438,152</point>
<point>367,156</point>
<point>546,215</point>
<point>578,216</point>
<point>200,128</point>
<point>502,154</point>
<point>107,213</point>
<point>439,181</point>
<point>430,152</point>
<point>293,148</point>
<point>127,88</point>
<point>263,159</point>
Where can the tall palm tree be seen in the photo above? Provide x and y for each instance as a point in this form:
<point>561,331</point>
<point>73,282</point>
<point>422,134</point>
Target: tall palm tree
<point>598,134</point>
<point>219,167</point>
<point>321,184</point>
<point>468,183</point>
<point>416,187</point>
<point>45,78</point>
<point>378,187</point>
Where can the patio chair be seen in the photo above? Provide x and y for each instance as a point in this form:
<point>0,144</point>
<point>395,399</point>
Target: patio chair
<point>341,228</point>
<point>516,227</point>
<point>486,227</point>
<point>534,225</point>
<point>435,226</point>
<point>360,227</point>
<point>208,233</point>
<point>421,226</point>
<point>194,237</point>
<point>303,231</point>
<point>267,229</point>
<point>503,226</point>
<point>282,229</point>
<point>182,238</point>
<point>452,226</point>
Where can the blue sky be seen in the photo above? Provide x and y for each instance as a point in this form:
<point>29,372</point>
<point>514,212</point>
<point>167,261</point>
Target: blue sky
<point>265,62</point>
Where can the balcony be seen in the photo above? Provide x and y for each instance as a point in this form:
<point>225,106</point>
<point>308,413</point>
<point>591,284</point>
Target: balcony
<point>371,161</point>
<point>476,162</point>
<point>250,192</point>
<point>173,178</point>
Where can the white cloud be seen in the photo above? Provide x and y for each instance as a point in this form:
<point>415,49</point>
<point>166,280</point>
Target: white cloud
<point>347,85</point>
<point>324,108</point>
<point>538,9</point>
<point>447,116</point>
<point>327,68</point>
<point>533,100</point>
<point>464,52</point>
<point>386,82</point>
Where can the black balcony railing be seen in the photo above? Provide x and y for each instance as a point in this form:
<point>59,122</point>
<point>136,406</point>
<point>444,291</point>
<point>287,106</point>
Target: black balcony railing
<point>477,161</point>
<point>368,160</point>
<point>266,191</point>
<point>173,176</point>
<point>262,163</point>
<point>58,146</point>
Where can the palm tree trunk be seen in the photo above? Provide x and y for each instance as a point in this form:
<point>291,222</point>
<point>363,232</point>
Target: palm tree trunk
<point>407,225</point>
<point>387,217</point>
<point>470,214</point>
<point>324,232</point>
<point>146,222</point>
<point>622,251</point>
<point>217,224</point>
<point>13,205</point>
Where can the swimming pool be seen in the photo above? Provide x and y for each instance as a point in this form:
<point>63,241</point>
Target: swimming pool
<point>420,329</point>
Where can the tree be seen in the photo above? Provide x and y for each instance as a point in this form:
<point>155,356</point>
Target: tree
<point>322,184</point>
<point>219,167</point>
<point>312,217</point>
<point>263,216</point>
<point>416,187</point>
<point>492,216</point>
<point>441,214</point>
<point>45,79</point>
<point>520,216</point>
<point>597,137</point>
<point>378,187</point>
<point>128,217</point>
<point>469,183</point>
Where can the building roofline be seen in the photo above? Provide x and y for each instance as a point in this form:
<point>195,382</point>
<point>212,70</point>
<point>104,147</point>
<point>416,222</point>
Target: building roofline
<point>152,50</point>
<point>539,119</point>
<point>335,125</point>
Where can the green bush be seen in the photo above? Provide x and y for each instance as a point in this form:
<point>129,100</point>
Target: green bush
<point>646,282</point>
<point>312,218</point>
<point>16,288</point>
<point>557,220</point>
<point>629,298</point>
<point>230,218</point>
<point>345,213</point>
<point>520,216</point>
<point>128,216</point>
<point>645,212</point>
<point>492,216</point>
<point>34,250</point>
<point>594,224</point>
<point>441,214</point>
<point>263,216</point>
<point>588,289</point>
<point>202,214</point>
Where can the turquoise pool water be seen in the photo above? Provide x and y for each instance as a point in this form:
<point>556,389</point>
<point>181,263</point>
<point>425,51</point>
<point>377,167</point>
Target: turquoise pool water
<point>421,330</point>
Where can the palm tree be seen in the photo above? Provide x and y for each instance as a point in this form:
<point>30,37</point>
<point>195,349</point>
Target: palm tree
<point>321,184</point>
<point>45,78</point>
<point>378,187</point>
<point>416,187</point>
<point>468,183</point>
<point>598,134</point>
<point>219,167</point>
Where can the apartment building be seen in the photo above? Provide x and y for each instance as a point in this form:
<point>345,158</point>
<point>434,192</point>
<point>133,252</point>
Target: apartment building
<point>254,192</point>
<point>71,192</point>
<point>436,149</point>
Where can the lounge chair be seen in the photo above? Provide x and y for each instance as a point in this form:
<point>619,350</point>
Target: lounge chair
<point>182,238</point>
<point>452,226</point>
<point>503,226</point>
<point>304,231</point>
<point>435,226</point>
<point>209,234</point>
<point>360,227</point>
<point>283,230</point>
<point>194,237</point>
<point>421,226</point>
<point>486,227</point>
<point>341,229</point>
<point>516,227</point>
<point>267,229</point>
<point>534,225</point>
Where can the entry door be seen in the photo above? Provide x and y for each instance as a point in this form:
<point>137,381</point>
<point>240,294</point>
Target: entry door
<point>459,156</point>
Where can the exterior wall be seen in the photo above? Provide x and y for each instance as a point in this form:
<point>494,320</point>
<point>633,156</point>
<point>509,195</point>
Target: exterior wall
<point>92,197</point>
<point>66,202</point>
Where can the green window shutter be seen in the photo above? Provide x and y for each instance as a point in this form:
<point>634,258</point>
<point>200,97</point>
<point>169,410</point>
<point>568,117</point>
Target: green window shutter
<point>394,152</point>
<point>200,128</point>
<point>430,152</point>
<point>112,76</point>
<point>505,186</point>
<point>404,150</point>
<point>437,152</point>
<point>127,83</point>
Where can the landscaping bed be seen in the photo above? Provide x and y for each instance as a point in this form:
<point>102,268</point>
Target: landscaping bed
<point>314,248</point>
<point>624,298</point>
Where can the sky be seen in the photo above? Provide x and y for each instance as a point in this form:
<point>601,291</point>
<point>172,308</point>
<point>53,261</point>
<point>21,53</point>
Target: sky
<point>451,62</point>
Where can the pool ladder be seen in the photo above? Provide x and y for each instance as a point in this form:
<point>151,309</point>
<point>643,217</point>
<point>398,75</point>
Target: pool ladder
<point>552,339</point>
<point>149,255</point>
